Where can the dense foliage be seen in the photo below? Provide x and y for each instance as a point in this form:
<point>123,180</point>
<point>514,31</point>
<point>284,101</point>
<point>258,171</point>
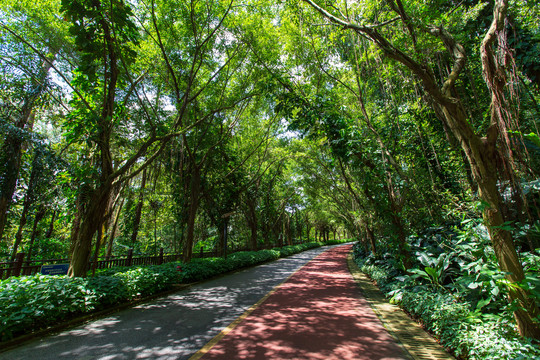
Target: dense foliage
<point>458,296</point>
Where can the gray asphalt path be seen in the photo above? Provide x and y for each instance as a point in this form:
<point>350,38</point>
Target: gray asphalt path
<point>174,327</point>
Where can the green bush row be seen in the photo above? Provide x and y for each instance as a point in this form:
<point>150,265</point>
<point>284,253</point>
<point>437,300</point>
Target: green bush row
<point>454,322</point>
<point>294,249</point>
<point>200,269</point>
<point>28,303</point>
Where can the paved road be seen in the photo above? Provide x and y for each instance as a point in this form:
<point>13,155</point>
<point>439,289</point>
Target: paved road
<point>174,327</point>
<point>317,314</point>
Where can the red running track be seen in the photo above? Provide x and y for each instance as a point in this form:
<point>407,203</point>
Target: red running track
<point>318,313</point>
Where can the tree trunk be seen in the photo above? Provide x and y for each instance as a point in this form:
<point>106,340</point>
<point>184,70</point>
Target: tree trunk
<point>138,211</point>
<point>18,235</point>
<point>370,239</point>
<point>288,230</point>
<point>11,162</point>
<point>92,218</point>
<point>223,225</point>
<point>99,239</point>
<point>113,230</point>
<point>37,218</point>
<point>50,230</point>
<point>76,224</point>
<point>266,233</point>
<point>12,148</point>
<point>396,204</point>
<point>251,218</point>
<point>192,214</point>
<point>28,201</point>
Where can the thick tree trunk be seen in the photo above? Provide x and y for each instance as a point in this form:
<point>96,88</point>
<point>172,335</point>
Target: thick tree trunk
<point>253,224</point>
<point>192,214</point>
<point>92,217</point>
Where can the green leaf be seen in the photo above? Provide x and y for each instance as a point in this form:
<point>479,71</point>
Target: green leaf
<point>432,273</point>
<point>482,303</point>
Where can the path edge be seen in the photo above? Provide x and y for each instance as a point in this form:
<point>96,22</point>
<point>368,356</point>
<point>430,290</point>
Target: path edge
<point>413,339</point>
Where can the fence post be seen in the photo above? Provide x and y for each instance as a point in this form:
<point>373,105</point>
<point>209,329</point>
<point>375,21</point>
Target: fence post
<point>129,259</point>
<point>18,264</point>
<point>160,258</point>
<point>202,252</point>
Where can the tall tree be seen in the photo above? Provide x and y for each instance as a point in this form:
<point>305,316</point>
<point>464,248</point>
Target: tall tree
<point>482,152</point>
<point>25,26</point>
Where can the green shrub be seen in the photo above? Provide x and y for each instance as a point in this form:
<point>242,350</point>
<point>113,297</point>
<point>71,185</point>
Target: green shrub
<point>455,323</point>
<point>109,290</point>
<point>143,281</point>
<point>29,303</point>
<point>32,302</point>
<point>200,269</point>
<point>440,313</point>
<point>459,328</point>
<point>295,249</point>
<point>289,250</point>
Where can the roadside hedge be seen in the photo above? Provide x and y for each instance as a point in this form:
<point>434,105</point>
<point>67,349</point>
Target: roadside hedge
<point>453,321</point>
<point>29,303</point>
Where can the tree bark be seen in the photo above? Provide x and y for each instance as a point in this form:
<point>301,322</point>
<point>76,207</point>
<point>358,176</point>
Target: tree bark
<point>28,201</point>
<point>138,211</point>
<point>195,187</point>
<point>486,174</point>
<point>308,229</point>
<point>12,150</point>
<point>92,217</point>
<point>113,230</point>
<point>251,219</point>
<point>37,218</point>
<point>50,230</point>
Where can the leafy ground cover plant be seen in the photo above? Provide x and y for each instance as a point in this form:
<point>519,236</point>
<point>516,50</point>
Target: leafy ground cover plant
<point>32,302</point>
<point>456,292</point>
